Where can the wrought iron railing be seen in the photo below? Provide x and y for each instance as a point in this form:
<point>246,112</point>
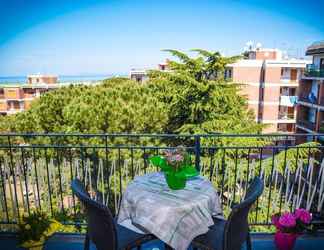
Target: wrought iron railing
<point>313,71</point>
<point>36,170</point>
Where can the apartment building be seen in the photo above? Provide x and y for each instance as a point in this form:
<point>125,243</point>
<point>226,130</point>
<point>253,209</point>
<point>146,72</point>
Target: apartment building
<point>270,83</point>
<point>42,79</point>
<point>310,117</point>
<point>18,97</point>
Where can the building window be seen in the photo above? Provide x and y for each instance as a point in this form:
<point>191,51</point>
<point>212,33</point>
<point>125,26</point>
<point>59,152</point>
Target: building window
<point>322,64</point>
<point>228,73</point>
<point>312,115</point>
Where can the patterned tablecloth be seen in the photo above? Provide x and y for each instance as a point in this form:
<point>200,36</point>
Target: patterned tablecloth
<point>174,216</point>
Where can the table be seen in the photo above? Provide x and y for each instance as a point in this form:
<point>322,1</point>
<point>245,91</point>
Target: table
<point>174,216</point>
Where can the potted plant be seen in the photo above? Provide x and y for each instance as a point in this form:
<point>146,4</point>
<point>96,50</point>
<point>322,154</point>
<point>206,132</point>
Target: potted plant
<point>34,229</point>
<point>177,167</point>
<point>289,226</point>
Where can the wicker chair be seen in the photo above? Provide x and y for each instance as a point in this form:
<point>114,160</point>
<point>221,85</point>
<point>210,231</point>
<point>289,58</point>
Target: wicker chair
<point>102,229</point>
<point>232,233</point>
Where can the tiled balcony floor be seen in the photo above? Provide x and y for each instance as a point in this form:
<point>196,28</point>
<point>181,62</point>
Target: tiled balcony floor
<point>75,242</point>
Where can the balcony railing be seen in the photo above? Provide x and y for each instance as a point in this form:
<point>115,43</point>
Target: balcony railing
<point>287,100</point>
<point>310,98</point>
<point>313,71</point>
<point>307,124</point>
<point>36,170</point>
<point>286,116</point>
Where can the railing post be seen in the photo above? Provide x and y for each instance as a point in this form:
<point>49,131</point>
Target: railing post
<point>197,152</point>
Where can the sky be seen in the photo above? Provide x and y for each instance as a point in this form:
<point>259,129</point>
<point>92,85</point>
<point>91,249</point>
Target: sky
<point>93,37</point>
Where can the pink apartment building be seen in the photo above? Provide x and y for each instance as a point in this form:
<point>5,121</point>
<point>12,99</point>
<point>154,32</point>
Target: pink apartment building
<point>18,97</point>
<point>270,83</point>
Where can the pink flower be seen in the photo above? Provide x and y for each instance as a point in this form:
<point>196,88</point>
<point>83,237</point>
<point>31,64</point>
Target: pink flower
<point>178,157</point>
<point>303,215</point>
<point>287,220</point>
<point>275,221</point>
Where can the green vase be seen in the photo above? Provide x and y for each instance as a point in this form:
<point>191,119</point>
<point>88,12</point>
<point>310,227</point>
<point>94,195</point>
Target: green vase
<point>175,180</point>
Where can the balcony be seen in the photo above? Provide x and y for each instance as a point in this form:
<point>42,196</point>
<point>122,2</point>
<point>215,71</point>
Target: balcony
<point>36,170</point>
<point>313,71</point>
<point>288,101</point>
<point>260,241</point>
<point>306,124</point>
<point>309,98</point>
<point>286,116</point>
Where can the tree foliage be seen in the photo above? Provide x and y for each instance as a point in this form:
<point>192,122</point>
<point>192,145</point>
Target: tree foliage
<point>192,98</point>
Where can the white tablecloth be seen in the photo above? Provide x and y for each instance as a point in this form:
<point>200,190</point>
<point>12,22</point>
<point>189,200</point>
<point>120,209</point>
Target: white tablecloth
<point>174,216</point>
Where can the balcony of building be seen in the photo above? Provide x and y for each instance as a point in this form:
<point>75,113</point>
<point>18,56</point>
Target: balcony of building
<point>13,93</point>
<point>70,241</point>
<point>3,106</point>
<point>306,118</point>
<point>313,71</point>
<point>305,124</point>
<point>2,95</point>
<point>286,116</point>
<point>30,93</point>
<point>286,127</point>
<point>36,171</point>
<point>309,93</point>
<point>290,75</point>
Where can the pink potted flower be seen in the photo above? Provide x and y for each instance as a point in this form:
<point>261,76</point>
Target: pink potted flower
<point>289,226</point>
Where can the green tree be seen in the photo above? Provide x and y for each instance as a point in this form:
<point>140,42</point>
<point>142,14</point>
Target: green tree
<point>200,100</point>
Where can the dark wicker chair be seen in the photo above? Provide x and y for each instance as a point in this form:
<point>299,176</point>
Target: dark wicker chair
<point>231,234</point>
<point>102,229</point>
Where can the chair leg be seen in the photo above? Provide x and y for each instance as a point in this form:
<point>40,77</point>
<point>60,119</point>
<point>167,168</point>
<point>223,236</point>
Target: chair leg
<point>248,242</point>
<point>86,242</point>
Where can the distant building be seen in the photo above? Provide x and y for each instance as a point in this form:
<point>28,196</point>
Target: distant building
<point>270,83</point>
<point>138,75</point>
<point>16,98</point>
<point>311,93</point>
<point>42,79</point>
<point>141,75</point>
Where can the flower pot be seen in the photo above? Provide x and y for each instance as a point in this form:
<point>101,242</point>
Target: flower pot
<point>285,241</point>
<point>34,246</point>
<point>175,180</point>
<point>39,247</point>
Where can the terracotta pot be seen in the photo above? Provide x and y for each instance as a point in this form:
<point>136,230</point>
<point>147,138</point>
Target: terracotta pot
<point>285,241</point>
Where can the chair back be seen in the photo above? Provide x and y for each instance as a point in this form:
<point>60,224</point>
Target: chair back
<point>237,226</point>
<point>101,226</point>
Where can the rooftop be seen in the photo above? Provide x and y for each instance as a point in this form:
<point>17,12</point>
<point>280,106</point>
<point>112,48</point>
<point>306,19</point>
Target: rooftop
<point>44,85</point>
<point>315,48</point>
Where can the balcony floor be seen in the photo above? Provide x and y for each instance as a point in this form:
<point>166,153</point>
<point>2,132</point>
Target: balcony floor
<point>75,242</point>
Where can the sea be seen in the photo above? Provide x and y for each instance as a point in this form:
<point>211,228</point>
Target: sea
<point>62,78</point>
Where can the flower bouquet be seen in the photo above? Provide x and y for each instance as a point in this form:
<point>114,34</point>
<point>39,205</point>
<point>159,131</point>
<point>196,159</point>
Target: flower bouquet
<point>177,167</point>
<point>35,229</point>
<point>289,226</point>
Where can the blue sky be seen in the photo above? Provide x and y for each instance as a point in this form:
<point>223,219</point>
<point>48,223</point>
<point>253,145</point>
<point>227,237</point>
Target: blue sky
<point>72,37</point>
